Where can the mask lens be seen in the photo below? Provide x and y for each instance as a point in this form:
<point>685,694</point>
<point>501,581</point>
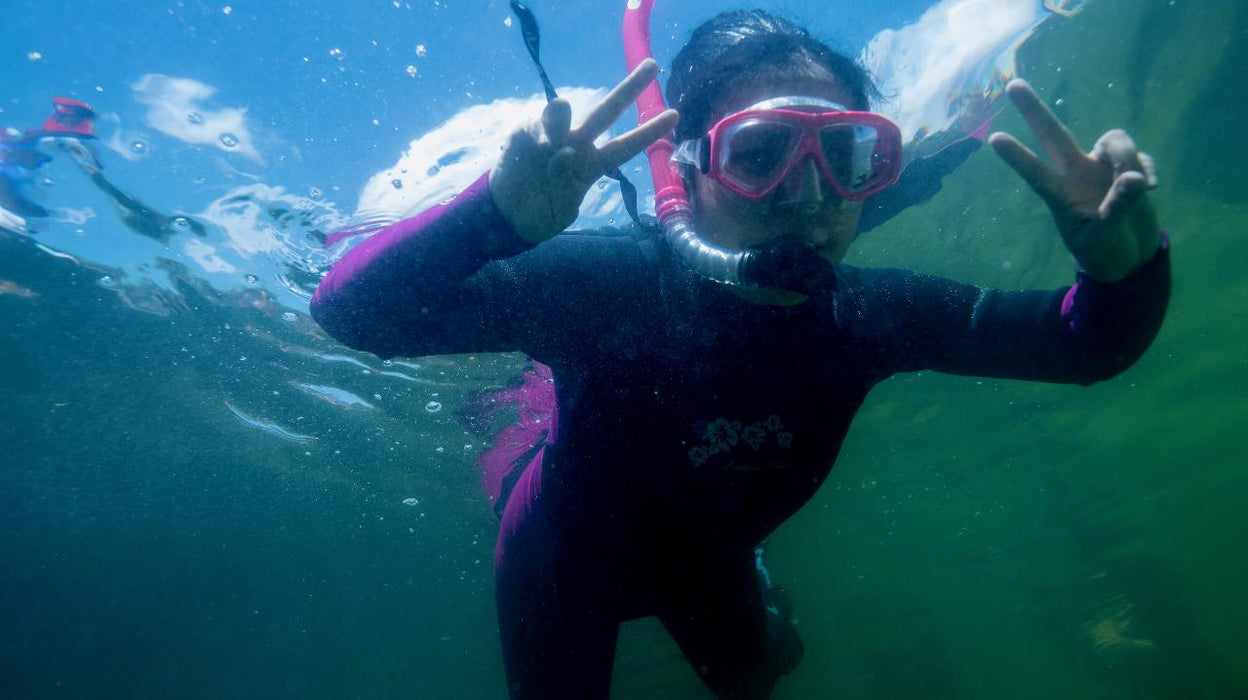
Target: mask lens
<point>755,151</point>
<point>854,156</point>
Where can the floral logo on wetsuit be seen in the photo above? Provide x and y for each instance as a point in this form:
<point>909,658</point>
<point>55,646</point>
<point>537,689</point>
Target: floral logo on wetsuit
<point>723,436</point>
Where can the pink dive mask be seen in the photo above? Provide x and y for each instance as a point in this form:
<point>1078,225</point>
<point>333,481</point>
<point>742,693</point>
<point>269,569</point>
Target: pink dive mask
<point>751,152</point>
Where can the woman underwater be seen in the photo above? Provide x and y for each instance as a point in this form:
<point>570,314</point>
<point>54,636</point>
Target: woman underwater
<point>695,416</point>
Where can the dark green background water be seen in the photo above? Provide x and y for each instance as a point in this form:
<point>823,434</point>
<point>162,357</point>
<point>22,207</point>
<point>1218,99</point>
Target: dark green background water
<point>978,539</point>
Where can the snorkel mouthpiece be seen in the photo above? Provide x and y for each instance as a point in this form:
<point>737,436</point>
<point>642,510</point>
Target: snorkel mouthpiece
<point>792,266</point>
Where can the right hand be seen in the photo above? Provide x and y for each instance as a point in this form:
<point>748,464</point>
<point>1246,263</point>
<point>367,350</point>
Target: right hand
<point>547,168</point>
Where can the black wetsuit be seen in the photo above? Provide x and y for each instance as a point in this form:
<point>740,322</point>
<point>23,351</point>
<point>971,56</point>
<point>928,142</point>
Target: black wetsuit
<point>690,422</point>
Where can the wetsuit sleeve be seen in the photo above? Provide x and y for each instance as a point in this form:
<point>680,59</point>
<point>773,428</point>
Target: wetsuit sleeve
<point>1082,334</point>
<point>457,279</point>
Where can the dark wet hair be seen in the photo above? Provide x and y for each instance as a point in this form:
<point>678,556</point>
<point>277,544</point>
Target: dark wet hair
<point>745,47</point>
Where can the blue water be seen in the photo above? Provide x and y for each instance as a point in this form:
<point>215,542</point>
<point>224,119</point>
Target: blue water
<point>203,496</point>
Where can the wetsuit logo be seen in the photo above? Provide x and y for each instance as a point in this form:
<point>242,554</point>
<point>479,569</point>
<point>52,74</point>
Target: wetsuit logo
<point>723,436</point>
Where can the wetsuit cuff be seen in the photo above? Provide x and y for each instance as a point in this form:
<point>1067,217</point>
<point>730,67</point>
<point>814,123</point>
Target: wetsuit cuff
<point>498,238</point>
<point>1151,275</point>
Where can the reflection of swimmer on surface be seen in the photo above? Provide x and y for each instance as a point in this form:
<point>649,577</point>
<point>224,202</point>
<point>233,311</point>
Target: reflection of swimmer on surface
<point>70,127</point>
<point>20,156</point>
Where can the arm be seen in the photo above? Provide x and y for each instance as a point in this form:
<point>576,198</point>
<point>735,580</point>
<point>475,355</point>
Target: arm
<point>1082,334</point>
<point>1102,324</point>
<point>424,285</point>
<point>387,295</point>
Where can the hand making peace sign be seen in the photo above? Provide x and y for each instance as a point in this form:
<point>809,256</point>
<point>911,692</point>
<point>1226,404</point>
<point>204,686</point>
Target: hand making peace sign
<point>546,170</point>
<point>1098,198</point>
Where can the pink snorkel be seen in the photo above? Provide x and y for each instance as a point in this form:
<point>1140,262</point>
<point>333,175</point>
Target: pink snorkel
<point>791,268</point>
<point>670,199</point>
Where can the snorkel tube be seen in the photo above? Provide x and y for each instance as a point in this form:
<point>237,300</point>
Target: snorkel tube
<point>797,268</point>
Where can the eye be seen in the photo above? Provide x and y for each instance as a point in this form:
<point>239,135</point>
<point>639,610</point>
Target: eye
<point>757,149</point>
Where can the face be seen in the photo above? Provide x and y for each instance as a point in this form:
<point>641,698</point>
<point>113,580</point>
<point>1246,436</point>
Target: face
<point>803,209</point>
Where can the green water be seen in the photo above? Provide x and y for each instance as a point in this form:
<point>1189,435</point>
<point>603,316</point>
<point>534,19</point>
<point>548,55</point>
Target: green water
<point>978,539</point>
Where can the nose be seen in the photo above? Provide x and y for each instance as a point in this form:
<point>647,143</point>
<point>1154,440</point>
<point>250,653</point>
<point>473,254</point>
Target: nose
<point>804,185</point>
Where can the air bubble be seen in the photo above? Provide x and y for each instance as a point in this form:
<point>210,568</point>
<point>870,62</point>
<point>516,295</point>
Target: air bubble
<point>337,54</point>
<point>252,280</point>
<point>411,70</point>
<point>421,50</point>
<point>228,140</point>
<point>34,57</point>
<point>411,502</point>
<point>138,147</point>
<point>507,21</point>
<point>397,183</point>
<point>181,223</point>
<point>289,316</point>
<point>602,184</point>
<point>314,193</point>
<point>433,407</point>
<point>194,118</point>
<point>107,281</point>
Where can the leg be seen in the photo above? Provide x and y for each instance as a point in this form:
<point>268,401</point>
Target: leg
<point>558,635</point>
<point>738,639</point>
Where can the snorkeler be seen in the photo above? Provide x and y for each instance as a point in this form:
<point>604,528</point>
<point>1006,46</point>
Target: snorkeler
<point>706,375</point>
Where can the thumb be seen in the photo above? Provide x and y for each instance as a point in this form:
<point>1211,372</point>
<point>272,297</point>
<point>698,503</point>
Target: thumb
<point>1124,192</point>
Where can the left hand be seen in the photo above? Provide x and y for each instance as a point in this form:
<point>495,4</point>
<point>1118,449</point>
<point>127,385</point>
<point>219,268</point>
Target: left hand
<point>1098,199</point>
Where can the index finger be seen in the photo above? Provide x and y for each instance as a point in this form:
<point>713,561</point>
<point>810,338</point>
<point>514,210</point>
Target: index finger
<point>1057,140</point>
<point>613,105</point>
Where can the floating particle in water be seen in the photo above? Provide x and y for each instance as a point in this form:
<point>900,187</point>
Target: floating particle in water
<point>194,118</point>
<point>252,279</point>
<point>289,316</point>
<point>1059,102</point>
<point>34,56</point>
<point>314,193</point>
<point>228,140</point>
<point>138,148</point>
<point>397,183</point>
<point>226,10</point>
<point>507,21</point>
<point>337,54</point>
<point>411,70</point>
<point>109,283</point>
<point>433,407</point>
<point>611,221</point>
<point>421,51</point>
<point>411,502</point>
<point>439,450</point>
<point>181,223</point>
<point>99,88</point>
<point>47,181</point>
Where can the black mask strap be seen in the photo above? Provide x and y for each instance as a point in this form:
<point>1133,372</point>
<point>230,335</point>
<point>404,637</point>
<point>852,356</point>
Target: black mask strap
<point>533,41</point>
